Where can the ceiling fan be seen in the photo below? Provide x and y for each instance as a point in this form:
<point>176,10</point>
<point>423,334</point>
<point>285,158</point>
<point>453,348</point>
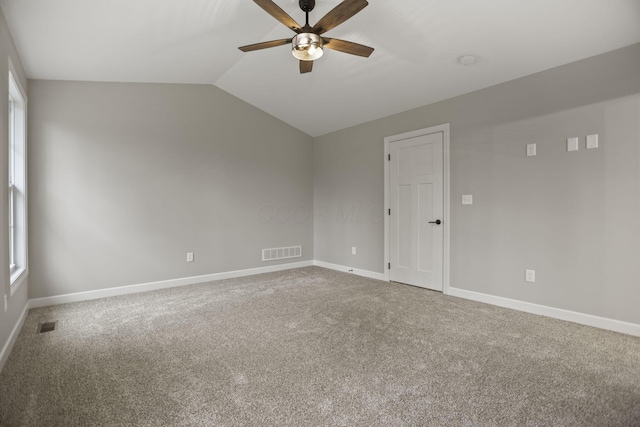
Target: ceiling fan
<point>308,42</point>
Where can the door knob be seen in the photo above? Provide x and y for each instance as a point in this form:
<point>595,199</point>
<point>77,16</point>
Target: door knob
<point>437,221</point>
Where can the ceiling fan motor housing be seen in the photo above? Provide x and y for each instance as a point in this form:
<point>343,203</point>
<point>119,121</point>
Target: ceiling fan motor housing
<point>307,5</point>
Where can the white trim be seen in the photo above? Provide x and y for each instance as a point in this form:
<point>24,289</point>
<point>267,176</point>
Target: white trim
<point>16,79</point>
<point>446,258</point>
<point>17,279</point>
<point>385,267</point>
<point>8,346</point>
<point>152,286</point>
<point>344,269</point>
<point>446,172</point>
<point>556,313</point>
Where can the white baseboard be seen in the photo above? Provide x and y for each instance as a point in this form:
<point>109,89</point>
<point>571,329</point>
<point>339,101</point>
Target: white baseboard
<point>363,273</point>
<point>556,313</point>
<point>6,350</point>
<point>152,286</point>
<point>571,316</point>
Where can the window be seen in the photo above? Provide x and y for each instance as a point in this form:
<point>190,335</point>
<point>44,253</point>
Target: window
<point>17,203</point>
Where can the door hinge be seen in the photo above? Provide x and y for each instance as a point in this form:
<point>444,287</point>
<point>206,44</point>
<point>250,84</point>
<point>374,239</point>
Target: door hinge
<point>389,266</point>
<point>389,211</point>
<point>389,157</point>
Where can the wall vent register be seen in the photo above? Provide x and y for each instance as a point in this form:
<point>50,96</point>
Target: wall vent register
<point>273,254</point>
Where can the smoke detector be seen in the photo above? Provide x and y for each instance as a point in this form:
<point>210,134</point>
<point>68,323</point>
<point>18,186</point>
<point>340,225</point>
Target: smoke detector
<point>467,60</point>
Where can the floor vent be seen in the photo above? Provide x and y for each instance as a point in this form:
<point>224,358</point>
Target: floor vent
<point>273,254</point>
<point>47,327</point>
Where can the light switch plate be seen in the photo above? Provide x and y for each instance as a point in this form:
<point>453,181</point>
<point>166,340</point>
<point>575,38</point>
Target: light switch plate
<point>467,199</point>
<point>572,144</point>
<point>592,141</point>
<point>531,150</point>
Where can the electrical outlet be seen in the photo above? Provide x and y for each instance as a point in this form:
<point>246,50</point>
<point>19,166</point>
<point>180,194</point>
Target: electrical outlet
<point>189,256</point>
<point>467,199</point>
<point>530,275</point>
<point>353,250</point>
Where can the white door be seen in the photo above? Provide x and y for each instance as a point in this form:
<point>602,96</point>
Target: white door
<point>416,231</point>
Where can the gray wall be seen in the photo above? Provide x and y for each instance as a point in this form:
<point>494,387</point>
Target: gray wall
<point>125,179</point>
<point>573,217</point>
<point>18,301</point>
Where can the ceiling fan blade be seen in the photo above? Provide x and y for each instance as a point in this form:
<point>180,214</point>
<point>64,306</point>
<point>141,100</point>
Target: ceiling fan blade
<point>274,10</point>
<point>264,45</point>
<point>306,66</point>
<point>348,47</point>
<point>338,15</point>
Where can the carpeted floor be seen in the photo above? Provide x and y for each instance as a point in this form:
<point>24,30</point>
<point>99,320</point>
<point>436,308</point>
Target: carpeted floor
<point>314,347</point>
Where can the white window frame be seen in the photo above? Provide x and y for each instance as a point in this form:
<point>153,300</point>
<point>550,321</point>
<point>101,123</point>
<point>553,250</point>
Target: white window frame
<point>12,211</point>
<point>17,179</point>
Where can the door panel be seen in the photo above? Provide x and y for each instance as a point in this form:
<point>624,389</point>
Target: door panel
<point>416,198</point>
<point>416,159</point>
<point>405,249</point>
<point>425,230</point>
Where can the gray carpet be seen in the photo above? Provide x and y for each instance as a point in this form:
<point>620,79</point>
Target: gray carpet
<point>314,347</point>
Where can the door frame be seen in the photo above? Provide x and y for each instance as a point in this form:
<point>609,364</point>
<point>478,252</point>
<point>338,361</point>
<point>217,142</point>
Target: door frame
<point>446,159</point>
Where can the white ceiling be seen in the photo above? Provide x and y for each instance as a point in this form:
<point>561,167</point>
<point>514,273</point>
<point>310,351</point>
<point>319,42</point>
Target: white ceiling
<point>417,43</point>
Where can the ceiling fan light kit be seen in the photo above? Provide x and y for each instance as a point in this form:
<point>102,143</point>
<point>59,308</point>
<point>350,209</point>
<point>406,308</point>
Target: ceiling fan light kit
<point>307,45</point>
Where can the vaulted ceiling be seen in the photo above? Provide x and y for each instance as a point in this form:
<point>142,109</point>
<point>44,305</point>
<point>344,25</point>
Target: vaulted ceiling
<point>417,46</point>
